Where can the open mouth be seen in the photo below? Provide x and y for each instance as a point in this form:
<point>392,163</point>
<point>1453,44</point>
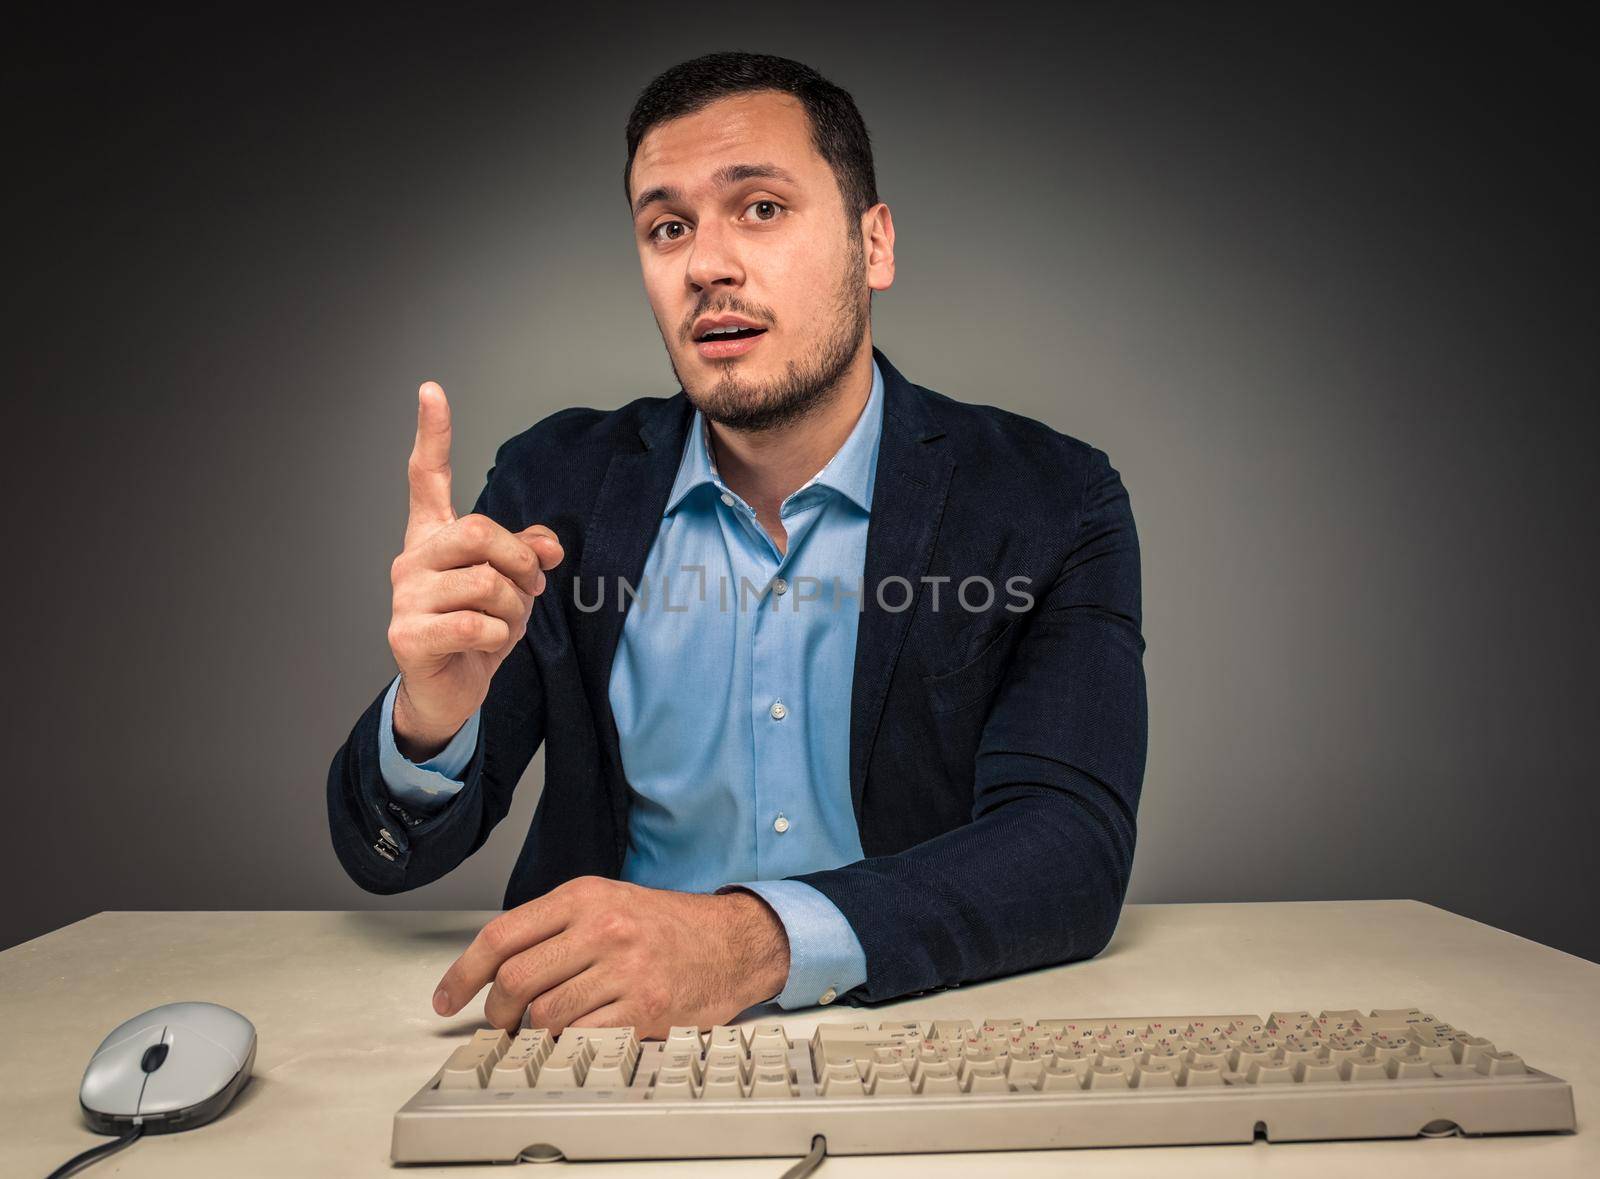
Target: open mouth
<point>742,333</point>
<point>728,343</point>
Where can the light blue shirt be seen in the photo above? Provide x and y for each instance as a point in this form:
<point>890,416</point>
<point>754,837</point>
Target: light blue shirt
<point>731,694</point>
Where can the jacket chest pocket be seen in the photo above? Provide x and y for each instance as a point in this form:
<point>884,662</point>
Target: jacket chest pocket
<point>975,680</point>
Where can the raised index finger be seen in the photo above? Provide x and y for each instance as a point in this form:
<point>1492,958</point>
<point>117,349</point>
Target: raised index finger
<point>506,936</point>
<point>429,468</point>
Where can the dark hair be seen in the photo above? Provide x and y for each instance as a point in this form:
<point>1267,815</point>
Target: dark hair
<point>837,131</point>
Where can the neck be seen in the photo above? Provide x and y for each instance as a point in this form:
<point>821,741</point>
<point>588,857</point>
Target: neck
<point>766,467</point>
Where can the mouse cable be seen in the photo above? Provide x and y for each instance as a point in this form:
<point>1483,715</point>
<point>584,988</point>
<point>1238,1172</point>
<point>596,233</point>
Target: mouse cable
<point>95,1153</point>
<point>819,1150</point>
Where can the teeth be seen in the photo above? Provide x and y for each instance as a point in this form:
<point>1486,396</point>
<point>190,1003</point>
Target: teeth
<point>722,331</point>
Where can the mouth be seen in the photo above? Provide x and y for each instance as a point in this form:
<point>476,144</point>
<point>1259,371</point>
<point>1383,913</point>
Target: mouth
<point>721,343</point>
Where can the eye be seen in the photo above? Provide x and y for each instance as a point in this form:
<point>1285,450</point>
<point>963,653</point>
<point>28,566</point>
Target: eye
<point>655,233</point>
<point>772,209</point>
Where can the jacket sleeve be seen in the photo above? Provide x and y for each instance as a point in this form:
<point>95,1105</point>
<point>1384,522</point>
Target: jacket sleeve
<point>383,846</point>
<point>1039,874</point>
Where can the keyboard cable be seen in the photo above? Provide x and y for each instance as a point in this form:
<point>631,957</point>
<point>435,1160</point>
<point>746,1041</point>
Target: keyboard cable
<point>819,1149</point>
<point>95,1153</point>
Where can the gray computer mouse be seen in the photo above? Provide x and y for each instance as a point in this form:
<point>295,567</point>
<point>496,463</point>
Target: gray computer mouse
<point>173,1068</point>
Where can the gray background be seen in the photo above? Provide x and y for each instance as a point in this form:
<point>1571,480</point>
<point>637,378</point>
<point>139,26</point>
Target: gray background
<point>1321,282</point>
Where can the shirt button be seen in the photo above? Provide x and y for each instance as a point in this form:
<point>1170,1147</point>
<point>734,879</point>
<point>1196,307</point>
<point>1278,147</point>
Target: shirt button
<point>779,585</point>
<point>778,710</point>
<point>780,824</point>
<point>727,499</point>
<point>827,996</point>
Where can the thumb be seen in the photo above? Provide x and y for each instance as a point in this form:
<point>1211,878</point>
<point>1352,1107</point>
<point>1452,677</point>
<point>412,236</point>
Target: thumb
<point>544,543</point>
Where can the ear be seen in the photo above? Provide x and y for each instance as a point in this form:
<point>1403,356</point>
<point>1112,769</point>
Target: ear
<point>877,231</point>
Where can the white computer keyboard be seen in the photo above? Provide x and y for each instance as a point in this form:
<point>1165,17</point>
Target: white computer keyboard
<point>959,1085</point>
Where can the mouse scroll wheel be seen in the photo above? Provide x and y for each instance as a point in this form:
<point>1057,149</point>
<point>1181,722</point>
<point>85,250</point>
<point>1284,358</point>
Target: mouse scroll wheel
<point>154,1056</point>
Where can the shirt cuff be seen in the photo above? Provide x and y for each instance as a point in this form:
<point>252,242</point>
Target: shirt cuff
<point>825,956</point>
<point>429,786</point>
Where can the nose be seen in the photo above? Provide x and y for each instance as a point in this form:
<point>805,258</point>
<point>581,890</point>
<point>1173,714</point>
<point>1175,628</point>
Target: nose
<point>713,259</point>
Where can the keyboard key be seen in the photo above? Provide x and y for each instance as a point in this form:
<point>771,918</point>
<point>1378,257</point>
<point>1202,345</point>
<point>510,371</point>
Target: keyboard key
<point>768,1035</point>
<point>1340,1053</point>
<point>1058,1080</point>
<point>1281,1022</point>
<point>889,1080</point>
<point>767,1082</point>
<point>1398,1018</point>
<point>726,1058</point>
<point>937,1077</point>
<point>1471,1049</point>
<point>1363,1070</point>
<point>1501,1064</point>
<point>722,1083</point>
<point>564,1071</point>
<point>904,1029</point>
<point>689,1062</point>
<point>470,1065</point>
<point>519,1067</point>
<point>841,1080</point>
<point>1156,1076</point>
<point>1121,1059</point>
<point>673,1084</point>
<point>621,1042</point>
<point>1024,1073</point>
<point>1405,1068</point>
<point>1073,1060</point>
<point>1307,1071</point>
<point>770,1059</point>
<point>1201,1073</point>
<point>1269,1073</point>
<point>1244,1058</point>
<point>683,1040</point>
<point>985,1077</point>
<point>610,1071</point>
<point>727,1037</point>
<point>1101,1077</point>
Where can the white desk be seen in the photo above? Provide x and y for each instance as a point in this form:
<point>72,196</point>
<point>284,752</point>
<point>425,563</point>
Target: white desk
<point>341,1005</point>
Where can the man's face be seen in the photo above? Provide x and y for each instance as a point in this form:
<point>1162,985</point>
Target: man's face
<point>737,217</point>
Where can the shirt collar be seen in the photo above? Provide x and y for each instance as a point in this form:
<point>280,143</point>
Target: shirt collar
<point>849,472</point>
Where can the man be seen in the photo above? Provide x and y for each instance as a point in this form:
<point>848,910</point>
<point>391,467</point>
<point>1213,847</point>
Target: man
<point>840,680</point>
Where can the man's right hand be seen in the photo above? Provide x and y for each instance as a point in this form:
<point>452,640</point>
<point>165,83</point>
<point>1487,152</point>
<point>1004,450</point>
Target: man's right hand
<point>463,590</point>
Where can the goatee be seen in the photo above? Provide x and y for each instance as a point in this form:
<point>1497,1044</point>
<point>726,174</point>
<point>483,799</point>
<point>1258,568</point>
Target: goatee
<point>742,405</point>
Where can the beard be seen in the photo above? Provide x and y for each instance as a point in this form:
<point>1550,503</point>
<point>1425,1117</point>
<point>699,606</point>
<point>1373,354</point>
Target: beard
<point>806,383</point>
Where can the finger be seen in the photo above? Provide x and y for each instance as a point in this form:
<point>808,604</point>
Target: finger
<point>508,934</point>
<point>573,986</point>
<point>475,539</point>
<point>534,540</point>
<point>545,543</point>
<point>429,468</point>
<point>437,635</point>
<point>474,587</point>
<point>623,1014</point>
<point>611,1015</point>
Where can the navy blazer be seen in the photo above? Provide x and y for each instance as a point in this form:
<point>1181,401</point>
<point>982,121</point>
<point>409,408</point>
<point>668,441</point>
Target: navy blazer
<point>996,753</point>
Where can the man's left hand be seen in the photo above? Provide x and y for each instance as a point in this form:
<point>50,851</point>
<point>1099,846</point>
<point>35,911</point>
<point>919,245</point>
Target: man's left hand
<point>603,953</point>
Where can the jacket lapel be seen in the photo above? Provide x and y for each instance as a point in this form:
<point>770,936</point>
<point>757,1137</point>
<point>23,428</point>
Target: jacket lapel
<point>908,494</point>
<point>623,526</point>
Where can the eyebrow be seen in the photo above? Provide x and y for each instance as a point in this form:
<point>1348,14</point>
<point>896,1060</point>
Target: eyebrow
<point>722,177</point>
